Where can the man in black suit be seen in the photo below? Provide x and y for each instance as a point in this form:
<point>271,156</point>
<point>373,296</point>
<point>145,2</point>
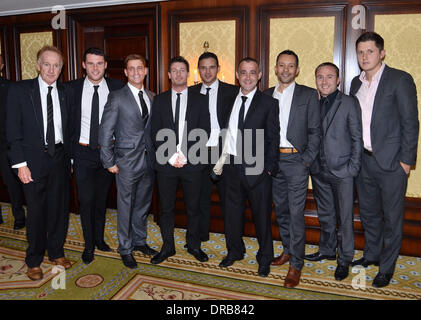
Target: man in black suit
<point>218,95</point>
<point>131,157</point>
<point>38,132</point>
<point>388,100</point>
<point>13,184</point>
<point>299,119</point>
<point>334,169</point>
<point>252,131</point>
<point>177,114</point>
<point>93,180</point>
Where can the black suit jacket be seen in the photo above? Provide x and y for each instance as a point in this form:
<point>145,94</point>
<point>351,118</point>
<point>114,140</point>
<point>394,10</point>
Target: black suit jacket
<point>25,127</point>
<point>197,116</point>
<point>303,130</point>
<point>394,123</point>
<point>4,84</point>
<point>341,138</point>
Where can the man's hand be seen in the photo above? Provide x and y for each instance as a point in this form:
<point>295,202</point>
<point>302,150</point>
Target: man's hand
<point>113,169</point>
<point>180,161</point>
<point>24,175</point>
<point>406,167</point>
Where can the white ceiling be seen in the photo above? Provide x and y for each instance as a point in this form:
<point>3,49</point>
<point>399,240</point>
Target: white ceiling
<point>14,7</point>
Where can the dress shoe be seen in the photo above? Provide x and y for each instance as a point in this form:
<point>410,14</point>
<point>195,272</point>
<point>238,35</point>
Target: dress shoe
<point>279,261</point>
<point>145,249</point>
<point>34,273</point>
<point>17,225</point>
<point>129,261</point>
<point>365,263</point>
<point>293,278</point>
<point>382,280</point>
<point>198,254</point>
<point>103,247</point>
<point>264,270</point>
<point>227,261</point>
<point>62,262</point>
<point>161,256</point>
<point>87,256</point>
<point>341,272</point>
<point>318,256</point>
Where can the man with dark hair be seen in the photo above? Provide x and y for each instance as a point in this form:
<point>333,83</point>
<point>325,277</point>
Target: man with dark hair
<point>388,100</point>
<point>176,113</point>
<point>38,131</point>
<point>13,184</point>
<point>218,95</point>
<point>127,151</point>
<point>334,169</point>
<point>252,131</point>
<point>299,118</point>
<point>93,181</point>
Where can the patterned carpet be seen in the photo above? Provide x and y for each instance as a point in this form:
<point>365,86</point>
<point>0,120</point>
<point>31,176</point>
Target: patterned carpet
<point>181,277</point>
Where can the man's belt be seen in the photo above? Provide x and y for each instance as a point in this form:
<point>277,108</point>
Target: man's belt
<point>288,150</point>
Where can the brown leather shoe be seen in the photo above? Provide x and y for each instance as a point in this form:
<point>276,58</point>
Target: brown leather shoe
<point>293,278</point>
<point>279,261</point>
<point>62,262</point>
<point>34,273</point>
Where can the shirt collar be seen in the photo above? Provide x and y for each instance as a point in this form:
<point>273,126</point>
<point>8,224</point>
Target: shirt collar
<point>289,89</point>
<point>376,77</point>
<point>44,85</point>
<point>331,97</point>
<point>249,95</point>
<point>214,85</point>
<point>88,83</point>
<point>134,89</point>
<point>184,92</point>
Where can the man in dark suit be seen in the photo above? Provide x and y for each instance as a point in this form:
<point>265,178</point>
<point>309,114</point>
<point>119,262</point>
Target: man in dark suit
<point>38,121</point>
<point>218,95</point>
<point>92,179</point>
<point>299,119</point>
<point>253,131</point>
<point>127,119</point>
<point>334,169</point>
<point>177,114</point>
<point>388,100</point>
<point>13,184</point>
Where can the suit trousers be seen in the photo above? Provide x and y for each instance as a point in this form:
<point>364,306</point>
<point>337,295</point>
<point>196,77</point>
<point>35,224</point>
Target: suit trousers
<point>93,185</point>
<point>289,191</point>
<point>48,210</point>
<point>134,197</point>
<point>167,185</point>
<point>14,187</point>
<point>381,197</point>
<point>335,199</point>
<point>259,197</point>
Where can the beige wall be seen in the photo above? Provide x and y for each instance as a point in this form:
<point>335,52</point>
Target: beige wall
<point>30,43</point>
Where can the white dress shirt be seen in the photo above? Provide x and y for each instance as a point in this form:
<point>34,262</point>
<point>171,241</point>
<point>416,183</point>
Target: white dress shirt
<point>213,96</point>
<point>135,92</point>
<point>285,101</point>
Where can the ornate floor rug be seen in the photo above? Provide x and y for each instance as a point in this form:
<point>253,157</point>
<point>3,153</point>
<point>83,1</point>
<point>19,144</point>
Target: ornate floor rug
<point>181,277</point>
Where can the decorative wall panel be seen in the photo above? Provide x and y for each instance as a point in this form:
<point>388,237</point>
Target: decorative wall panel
<point>30,43</point>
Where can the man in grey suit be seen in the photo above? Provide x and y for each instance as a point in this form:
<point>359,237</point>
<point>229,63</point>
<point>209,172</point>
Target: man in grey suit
<point>299,144</point>
<point>388,100</point>
<point>131,157</point>
<point>334,169</point>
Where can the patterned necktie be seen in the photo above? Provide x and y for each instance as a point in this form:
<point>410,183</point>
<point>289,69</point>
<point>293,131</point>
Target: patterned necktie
<point>94,126</point>
<point>145,113</point>
<point>51,140</point>
<point>177,116</point>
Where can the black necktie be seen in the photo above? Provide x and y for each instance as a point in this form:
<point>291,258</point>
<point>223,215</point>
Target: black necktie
<point>145,113</point>
<point>51,140</point>
<point>177,116</point>
<point>323,105</point>
<point>241,114</point>
<point>94,127</point>
<point>207,94</point>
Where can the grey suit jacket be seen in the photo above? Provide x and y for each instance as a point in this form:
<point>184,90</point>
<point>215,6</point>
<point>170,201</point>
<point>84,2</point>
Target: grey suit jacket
<point>394,122</point>
<point>342,138</point>
<point>123,121</point>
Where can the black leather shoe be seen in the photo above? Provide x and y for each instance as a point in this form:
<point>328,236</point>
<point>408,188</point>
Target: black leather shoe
<point>226,262</point>
<point>161,256</point>
<point>129,261</point>
<point>145,249</point>
<point>341,272</point>
<point>263,270</point>
<point>382,280</point>
<point>318,256</point>
<point>87,256</point>
<point>103,247</point>
<point>17,225</point>
<point>198,254</point>
<point>365,263</point>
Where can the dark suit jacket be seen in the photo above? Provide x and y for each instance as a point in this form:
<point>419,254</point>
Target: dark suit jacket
<point>394,122</point>
<point>123,121</point>
<point>4,84</point>
<point>76,87</point>
<point>25,127</point>
<point>341,138</point>
<point>263,113</point>
<point>303,130</point>
<point>197,116</point>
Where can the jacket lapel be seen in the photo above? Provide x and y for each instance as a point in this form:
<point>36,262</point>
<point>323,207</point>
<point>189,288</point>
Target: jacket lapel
<point>332,112</point>
<point>253,106</point>
<point>380,92</point>
<point>36,103</point>
<point>63,108</point>
<point>133,103</point>
<point>294,105</point>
